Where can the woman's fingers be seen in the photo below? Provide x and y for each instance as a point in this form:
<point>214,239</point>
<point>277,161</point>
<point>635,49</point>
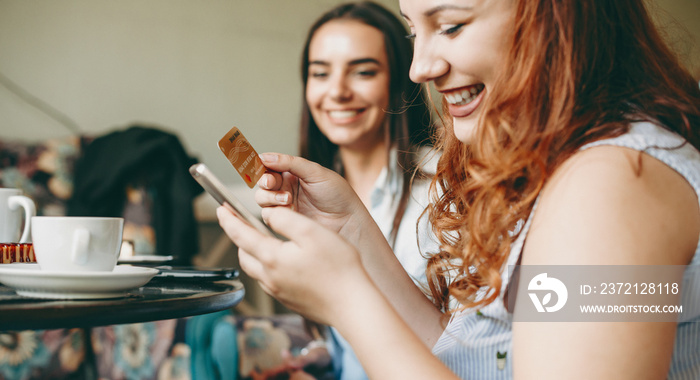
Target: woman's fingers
<point>254,248</point>
<point>245,236</point>
<point>250,265</point>
<point>278,265</point>
<point>258,254</point>
<point>268,198</point>
<point>306,170</point>
<point>295,226</point>
<point>274,191</point>
<point>270,181</point>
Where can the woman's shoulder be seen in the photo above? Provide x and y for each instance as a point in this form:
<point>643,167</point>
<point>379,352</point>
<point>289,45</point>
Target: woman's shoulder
<point>617,204</point>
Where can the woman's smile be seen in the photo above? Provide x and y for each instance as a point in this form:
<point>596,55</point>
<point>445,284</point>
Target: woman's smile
<point>464,101</point>
<point>345,116</point>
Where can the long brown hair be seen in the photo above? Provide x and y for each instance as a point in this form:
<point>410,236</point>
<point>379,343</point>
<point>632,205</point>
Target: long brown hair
<point>577,71</point>
<point>408,117</point>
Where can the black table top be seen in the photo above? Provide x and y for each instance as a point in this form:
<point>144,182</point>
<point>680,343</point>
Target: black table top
<point>161,298</point>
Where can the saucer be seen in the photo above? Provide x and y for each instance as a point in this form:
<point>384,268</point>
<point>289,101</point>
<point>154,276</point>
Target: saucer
<point>29,280</point>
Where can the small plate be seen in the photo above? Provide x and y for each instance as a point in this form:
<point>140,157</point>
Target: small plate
<point>28,280</point>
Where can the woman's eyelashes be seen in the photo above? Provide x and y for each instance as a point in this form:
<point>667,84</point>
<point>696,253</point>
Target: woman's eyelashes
<point>365,73</point>
<point>446,30</point>
<point>451,29</point>
<point>318,74</point>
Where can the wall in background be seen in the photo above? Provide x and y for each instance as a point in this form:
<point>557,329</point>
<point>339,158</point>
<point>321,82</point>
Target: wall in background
<point>196,68</point>
<point>193,67</point>
<point>679,22</point>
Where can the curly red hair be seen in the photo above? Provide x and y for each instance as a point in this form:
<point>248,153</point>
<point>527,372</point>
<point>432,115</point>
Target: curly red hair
<point>577,71</point>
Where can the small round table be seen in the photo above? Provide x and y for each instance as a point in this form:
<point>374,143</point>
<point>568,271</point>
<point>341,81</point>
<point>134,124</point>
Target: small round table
<point>161,298</point>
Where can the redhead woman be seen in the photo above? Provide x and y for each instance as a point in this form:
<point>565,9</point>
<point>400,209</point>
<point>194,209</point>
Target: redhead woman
<point>573,139</point>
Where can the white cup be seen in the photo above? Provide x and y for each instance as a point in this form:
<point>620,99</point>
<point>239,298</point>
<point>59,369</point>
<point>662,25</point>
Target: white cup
<point>11,200</point>
<point>77,243</point>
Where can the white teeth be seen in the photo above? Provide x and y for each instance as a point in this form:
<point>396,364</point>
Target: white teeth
<point>463,97</point>
<point>342,114</point>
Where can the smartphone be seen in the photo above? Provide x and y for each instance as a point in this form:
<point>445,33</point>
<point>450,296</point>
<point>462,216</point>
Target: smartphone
<point>223,195</point>
<point>193,272</point>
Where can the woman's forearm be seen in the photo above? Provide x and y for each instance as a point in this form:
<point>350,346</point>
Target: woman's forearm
<point>392,280</point>
<point>383,340</point>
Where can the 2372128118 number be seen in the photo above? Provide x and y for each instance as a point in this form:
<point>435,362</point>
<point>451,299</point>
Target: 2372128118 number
<point>620,288</point>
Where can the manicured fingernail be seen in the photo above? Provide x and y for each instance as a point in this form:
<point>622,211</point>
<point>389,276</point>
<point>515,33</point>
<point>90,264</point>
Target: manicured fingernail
<point>268,157</point>
<point>283,198</point>
<point>264,180</point>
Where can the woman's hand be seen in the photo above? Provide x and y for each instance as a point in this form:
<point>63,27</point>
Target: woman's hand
<point>312,190</point>
<point>320,275</point>
<point>328,199</point>
<point>308,273</point>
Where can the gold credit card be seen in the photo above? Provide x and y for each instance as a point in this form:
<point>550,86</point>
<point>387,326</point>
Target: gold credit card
<point>242,156</point>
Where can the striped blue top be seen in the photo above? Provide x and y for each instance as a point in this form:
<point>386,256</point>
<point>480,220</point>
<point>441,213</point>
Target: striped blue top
<point>478,345</point>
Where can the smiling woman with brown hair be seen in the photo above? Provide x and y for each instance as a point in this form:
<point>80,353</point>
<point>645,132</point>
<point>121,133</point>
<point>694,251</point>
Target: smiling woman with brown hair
<point>360,106</point>
<point>363,118</point>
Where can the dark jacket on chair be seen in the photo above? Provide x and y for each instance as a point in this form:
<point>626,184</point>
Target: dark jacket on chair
<point>145,157</point>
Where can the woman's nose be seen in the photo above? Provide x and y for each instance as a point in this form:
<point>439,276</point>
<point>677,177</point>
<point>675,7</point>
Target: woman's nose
<point>340,89</point>
<point>427,64</point>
